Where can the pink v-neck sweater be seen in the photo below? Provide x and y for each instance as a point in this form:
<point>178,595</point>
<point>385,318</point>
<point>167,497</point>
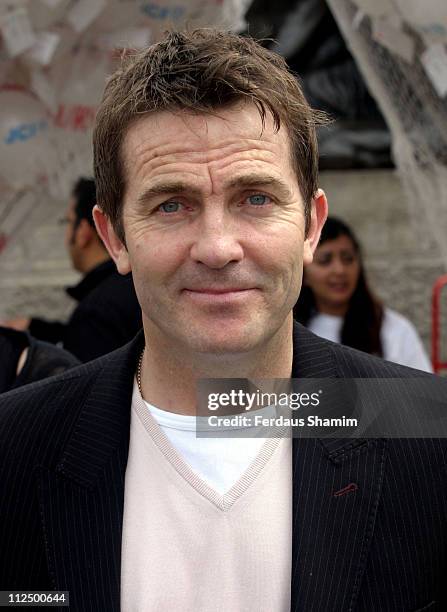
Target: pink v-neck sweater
<point>186,547</point>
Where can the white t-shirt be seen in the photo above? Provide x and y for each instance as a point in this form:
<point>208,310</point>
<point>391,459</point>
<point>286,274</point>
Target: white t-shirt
<point>220,461</point>
<point>400,340</point>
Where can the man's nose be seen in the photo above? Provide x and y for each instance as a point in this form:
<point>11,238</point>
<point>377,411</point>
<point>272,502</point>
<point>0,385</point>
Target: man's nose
<point>216,242</point>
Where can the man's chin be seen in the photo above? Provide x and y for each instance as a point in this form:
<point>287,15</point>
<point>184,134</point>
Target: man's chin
<point>228,346</point>
<point>221,341</point>
<point>187,337</point>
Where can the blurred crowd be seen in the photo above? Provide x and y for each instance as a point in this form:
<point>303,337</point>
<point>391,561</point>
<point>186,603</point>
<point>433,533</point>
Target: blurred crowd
<point>107,314</point>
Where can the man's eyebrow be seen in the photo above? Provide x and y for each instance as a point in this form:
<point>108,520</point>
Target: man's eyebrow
<point>257,180</point>
<point>244,181</point>
<point>166,187</point>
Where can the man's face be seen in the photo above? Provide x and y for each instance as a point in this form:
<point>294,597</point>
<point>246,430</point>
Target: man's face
<point>214,226</point>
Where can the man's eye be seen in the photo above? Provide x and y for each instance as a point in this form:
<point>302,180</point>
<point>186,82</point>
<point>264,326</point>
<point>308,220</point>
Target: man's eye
<point>170,207</point>
<point>258,199</point>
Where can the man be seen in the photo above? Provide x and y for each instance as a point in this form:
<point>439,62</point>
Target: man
<point>206,169</point>
<point>108,314</point>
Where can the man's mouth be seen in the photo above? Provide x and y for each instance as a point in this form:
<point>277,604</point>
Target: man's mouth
<point>218,290</point>
<point>218,295</point>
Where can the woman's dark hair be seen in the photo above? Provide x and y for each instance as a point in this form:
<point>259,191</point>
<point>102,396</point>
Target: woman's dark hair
<point>363,320</point>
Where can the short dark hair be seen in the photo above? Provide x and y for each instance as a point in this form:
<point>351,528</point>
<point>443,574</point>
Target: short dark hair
<point>84,194</point>
<point>201,71</point>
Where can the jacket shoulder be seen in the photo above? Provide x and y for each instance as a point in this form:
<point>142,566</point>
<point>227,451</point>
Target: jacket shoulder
<point>116,288</point>
<point>62,396</point>
<point>44,409</point>
<point>316,357</point>
<point>356,364</point>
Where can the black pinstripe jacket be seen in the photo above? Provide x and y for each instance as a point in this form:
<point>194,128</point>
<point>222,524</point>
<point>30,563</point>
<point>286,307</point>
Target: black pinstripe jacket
<point>380,547</point>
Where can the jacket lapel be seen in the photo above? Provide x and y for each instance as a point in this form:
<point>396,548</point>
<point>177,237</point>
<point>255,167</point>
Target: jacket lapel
<point>336,490</point>
<point>82,499</point>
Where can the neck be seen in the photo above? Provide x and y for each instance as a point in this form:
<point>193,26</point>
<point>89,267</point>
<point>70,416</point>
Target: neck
<point>169,374</point>
<point>93,259</point>
<point>336,310</point>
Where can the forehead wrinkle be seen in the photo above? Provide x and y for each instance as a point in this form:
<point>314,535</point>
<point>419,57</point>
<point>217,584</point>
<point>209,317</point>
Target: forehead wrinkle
<point>205,151</point>
<point>147,158</point>
<point>163,164</point>
<point>202,134</point>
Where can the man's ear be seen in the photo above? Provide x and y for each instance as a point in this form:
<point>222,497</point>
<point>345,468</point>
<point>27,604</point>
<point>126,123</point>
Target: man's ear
<point>317,219</point>
<point>113,244</point>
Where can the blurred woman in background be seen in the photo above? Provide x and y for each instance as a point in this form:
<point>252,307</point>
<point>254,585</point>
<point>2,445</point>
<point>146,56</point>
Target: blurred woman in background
<point>337,304</point>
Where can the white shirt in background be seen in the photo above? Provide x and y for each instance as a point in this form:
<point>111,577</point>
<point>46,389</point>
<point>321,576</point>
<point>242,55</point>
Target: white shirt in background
<point>400,340</point>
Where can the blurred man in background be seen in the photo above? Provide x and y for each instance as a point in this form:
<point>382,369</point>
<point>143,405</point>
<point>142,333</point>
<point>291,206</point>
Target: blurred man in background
<point>108,314</point>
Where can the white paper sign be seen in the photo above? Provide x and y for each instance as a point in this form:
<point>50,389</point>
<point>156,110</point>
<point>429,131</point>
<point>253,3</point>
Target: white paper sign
<point>7,5</point>
<point>43,49</point>
<point>428,17</point>
<point>20,206</point>
<point>233,12</point>
<point>52,3</point>
<point>376,8</point>
<point>5,67</point>
<point>423,12</point>
<point>84,13</point>
<point>388,34</point>
<point>43,89</point>
<point>434,61</point>
<point>18,35</point>
<point>130,38</point>
<point>358,19</point>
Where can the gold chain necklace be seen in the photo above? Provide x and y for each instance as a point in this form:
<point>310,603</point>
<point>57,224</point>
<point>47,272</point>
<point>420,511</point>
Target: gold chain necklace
<point>140,365</point>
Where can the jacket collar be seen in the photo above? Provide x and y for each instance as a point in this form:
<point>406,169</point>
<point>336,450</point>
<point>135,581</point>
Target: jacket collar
<point>314,357</point>
<point>108,404</point>
<point>107,412</point>
<point>91,280</point>
<point>82,498</point>
<point>336,491</point>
